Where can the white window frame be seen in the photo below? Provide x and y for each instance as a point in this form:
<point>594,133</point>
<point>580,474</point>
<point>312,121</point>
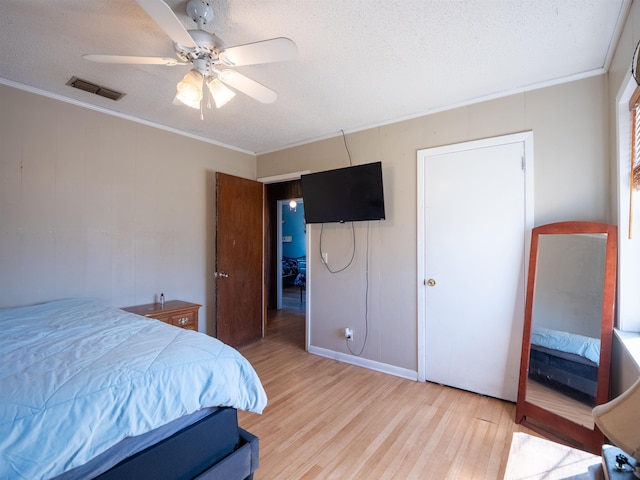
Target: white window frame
<point>628,241</point>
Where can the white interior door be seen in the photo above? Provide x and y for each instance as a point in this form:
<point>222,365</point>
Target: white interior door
<point>474,240</point>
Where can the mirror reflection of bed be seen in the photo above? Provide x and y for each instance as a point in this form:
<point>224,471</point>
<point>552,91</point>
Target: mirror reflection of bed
<point>565,335</point>
<point>569,313</point>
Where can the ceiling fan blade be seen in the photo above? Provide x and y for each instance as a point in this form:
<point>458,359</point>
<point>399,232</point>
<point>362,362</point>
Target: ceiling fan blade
<point>162,14</point>
<point>274,50</point>
<point>133,60</point>
<point>247,86</point>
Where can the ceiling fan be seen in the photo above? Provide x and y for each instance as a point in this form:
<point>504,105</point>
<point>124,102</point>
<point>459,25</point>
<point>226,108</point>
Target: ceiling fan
<point>207,53</point>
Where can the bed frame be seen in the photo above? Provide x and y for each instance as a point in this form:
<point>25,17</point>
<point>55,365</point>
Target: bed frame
<point>575,376</point>
<point>213,448</point>
<point>165,410</point>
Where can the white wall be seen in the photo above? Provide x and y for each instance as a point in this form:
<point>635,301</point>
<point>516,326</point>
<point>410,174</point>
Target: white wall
<point>94,205</point>
<point>571,182</point>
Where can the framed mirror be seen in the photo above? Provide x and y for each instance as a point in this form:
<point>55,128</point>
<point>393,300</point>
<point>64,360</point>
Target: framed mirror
<point>568,327</point>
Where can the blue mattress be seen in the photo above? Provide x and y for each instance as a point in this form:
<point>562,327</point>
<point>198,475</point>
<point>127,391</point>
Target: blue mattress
<point>586,347</point>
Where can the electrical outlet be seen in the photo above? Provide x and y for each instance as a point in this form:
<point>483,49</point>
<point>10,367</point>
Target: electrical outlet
<point>348,334</point>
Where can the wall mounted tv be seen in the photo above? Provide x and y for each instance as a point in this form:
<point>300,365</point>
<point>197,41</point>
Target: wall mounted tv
<point>347,194</point>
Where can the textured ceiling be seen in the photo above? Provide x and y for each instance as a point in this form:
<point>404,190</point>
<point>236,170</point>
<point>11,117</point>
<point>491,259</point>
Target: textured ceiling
<point>360,62</point>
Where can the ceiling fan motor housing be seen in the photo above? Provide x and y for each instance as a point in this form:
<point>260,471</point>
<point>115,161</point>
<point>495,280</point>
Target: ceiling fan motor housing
<point>208,46</point>
<point>203,65</point>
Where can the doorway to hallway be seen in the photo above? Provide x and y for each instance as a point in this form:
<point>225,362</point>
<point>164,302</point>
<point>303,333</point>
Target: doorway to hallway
<point>278,192</point>
<point>292,252</point>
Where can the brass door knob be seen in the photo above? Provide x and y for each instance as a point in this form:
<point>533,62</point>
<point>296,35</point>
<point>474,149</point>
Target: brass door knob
<point>431,282</point>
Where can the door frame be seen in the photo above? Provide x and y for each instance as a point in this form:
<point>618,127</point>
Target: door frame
<point>526,138</point>
<point>284,178</point>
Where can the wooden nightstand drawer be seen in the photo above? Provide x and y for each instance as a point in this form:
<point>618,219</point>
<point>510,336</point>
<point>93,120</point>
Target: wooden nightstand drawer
<point>174,312</point>
<point>184,320</point>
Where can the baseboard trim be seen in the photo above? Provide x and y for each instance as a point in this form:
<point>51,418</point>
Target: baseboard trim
<point>365,363</point>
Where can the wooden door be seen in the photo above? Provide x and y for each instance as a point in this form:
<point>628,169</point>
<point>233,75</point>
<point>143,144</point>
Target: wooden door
<point>239,260</point>
<point>475,231</point>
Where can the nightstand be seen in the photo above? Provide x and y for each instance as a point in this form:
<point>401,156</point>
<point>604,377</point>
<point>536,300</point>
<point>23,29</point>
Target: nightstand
<point>174,312</point>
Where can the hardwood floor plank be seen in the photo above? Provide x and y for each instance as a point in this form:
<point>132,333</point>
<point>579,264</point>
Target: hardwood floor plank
<point>327,419</point>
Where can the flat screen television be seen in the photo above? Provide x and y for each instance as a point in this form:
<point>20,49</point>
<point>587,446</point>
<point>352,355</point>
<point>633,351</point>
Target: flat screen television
<point>349,194</point>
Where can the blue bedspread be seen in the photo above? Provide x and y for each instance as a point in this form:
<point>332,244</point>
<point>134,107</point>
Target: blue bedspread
<point>78,376</point>
<point>586,347</point>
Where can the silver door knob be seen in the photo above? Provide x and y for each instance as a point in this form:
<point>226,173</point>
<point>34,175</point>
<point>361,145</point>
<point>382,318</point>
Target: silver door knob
<point>221,275</point>
<point>431,282</point>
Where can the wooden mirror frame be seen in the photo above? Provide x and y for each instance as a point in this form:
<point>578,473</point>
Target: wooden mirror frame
<point>533,416</point>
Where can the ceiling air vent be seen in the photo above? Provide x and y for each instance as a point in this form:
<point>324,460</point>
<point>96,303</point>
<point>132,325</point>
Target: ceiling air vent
<point>93,88</point>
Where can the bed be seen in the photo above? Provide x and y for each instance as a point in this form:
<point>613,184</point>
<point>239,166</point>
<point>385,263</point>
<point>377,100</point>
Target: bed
<point>291,269</point>
<point>294,273</point>
<point>90,391</point>
<point>565,361</point>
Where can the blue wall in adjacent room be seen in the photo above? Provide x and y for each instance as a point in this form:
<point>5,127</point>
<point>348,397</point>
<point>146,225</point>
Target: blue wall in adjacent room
<point>293,226</point>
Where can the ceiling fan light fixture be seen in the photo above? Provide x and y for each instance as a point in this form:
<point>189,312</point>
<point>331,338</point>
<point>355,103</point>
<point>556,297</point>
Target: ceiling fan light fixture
<point>205,51</point>
<point>220,92</point>
<point>190,89</point>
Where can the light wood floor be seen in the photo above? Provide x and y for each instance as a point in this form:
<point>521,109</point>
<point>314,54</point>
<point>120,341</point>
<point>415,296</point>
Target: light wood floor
<point>327,420</point>
<point>292,300</point>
